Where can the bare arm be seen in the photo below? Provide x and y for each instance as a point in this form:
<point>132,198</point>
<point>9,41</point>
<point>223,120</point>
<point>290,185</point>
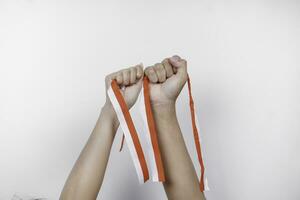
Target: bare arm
<point>168,79</point>
<point>87,175</point>
<point>181,178</point>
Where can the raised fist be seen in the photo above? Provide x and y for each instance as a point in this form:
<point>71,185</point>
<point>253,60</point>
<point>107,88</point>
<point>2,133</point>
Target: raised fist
<point>130,80</point>
<point>167,80</point>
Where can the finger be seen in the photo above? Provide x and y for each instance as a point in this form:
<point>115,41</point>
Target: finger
<point>160,71</point>
<point>150,73</point>
<point>136,87</point>
<point>110,77</point>
<point>119,78</point>
<point>139,83</point>
<point>139,71</point>
<point>168,67</point>
<point>133,71</point>
<point>126,77</point>
<point>180,65</point>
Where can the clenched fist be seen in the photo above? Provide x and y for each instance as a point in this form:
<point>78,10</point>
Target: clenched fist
<point>167,80</point>
<point>130,82</point>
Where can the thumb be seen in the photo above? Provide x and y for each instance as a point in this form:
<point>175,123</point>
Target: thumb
<point>140,76</point>
<point>140,82</point>
<point>179,65</point>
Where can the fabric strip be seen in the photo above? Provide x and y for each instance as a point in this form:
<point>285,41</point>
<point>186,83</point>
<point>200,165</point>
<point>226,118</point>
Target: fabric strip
<point>196,136</point>
<point>152,148</point>
<point>206,187</point>
<point>129,130</point>
<point>158,173</point>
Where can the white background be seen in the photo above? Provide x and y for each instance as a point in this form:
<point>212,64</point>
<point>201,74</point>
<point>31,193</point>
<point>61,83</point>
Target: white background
<point>243,61</point>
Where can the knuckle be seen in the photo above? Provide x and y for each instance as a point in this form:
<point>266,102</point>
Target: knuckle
<point>152,73</point>
<point>125,73</point>
<point>157,65</point>
<point>160,66</point>
<point>147,70</point>
<point>133,69</point>
<point>151,70</point>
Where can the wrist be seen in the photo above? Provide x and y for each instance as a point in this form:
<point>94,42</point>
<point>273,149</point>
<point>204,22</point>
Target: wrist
<point>164,111</point>
<point>109,113</point>
<point>165,118</point>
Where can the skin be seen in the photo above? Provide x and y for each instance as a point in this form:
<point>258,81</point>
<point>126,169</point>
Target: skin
<point>87,175</point>
<point>166,82</point>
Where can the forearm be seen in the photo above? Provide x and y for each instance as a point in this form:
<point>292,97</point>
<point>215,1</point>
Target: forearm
<point>88,172</point>
<point>181,178</point>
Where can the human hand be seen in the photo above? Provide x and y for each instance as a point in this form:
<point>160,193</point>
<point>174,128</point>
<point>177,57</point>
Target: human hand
<point>166,80</point>
<point>131,80</point>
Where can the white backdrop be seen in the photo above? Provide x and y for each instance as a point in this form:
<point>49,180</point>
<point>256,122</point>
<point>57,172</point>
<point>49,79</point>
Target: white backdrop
<point>243,60</point>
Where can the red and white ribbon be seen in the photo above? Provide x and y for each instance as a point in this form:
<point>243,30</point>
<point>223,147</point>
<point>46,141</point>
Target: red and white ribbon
<point>153,153</point>
<point>195,125</point>
<point>129,131</point>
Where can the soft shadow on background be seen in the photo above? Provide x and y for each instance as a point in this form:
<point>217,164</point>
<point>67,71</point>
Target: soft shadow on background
<point>243,61</point>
